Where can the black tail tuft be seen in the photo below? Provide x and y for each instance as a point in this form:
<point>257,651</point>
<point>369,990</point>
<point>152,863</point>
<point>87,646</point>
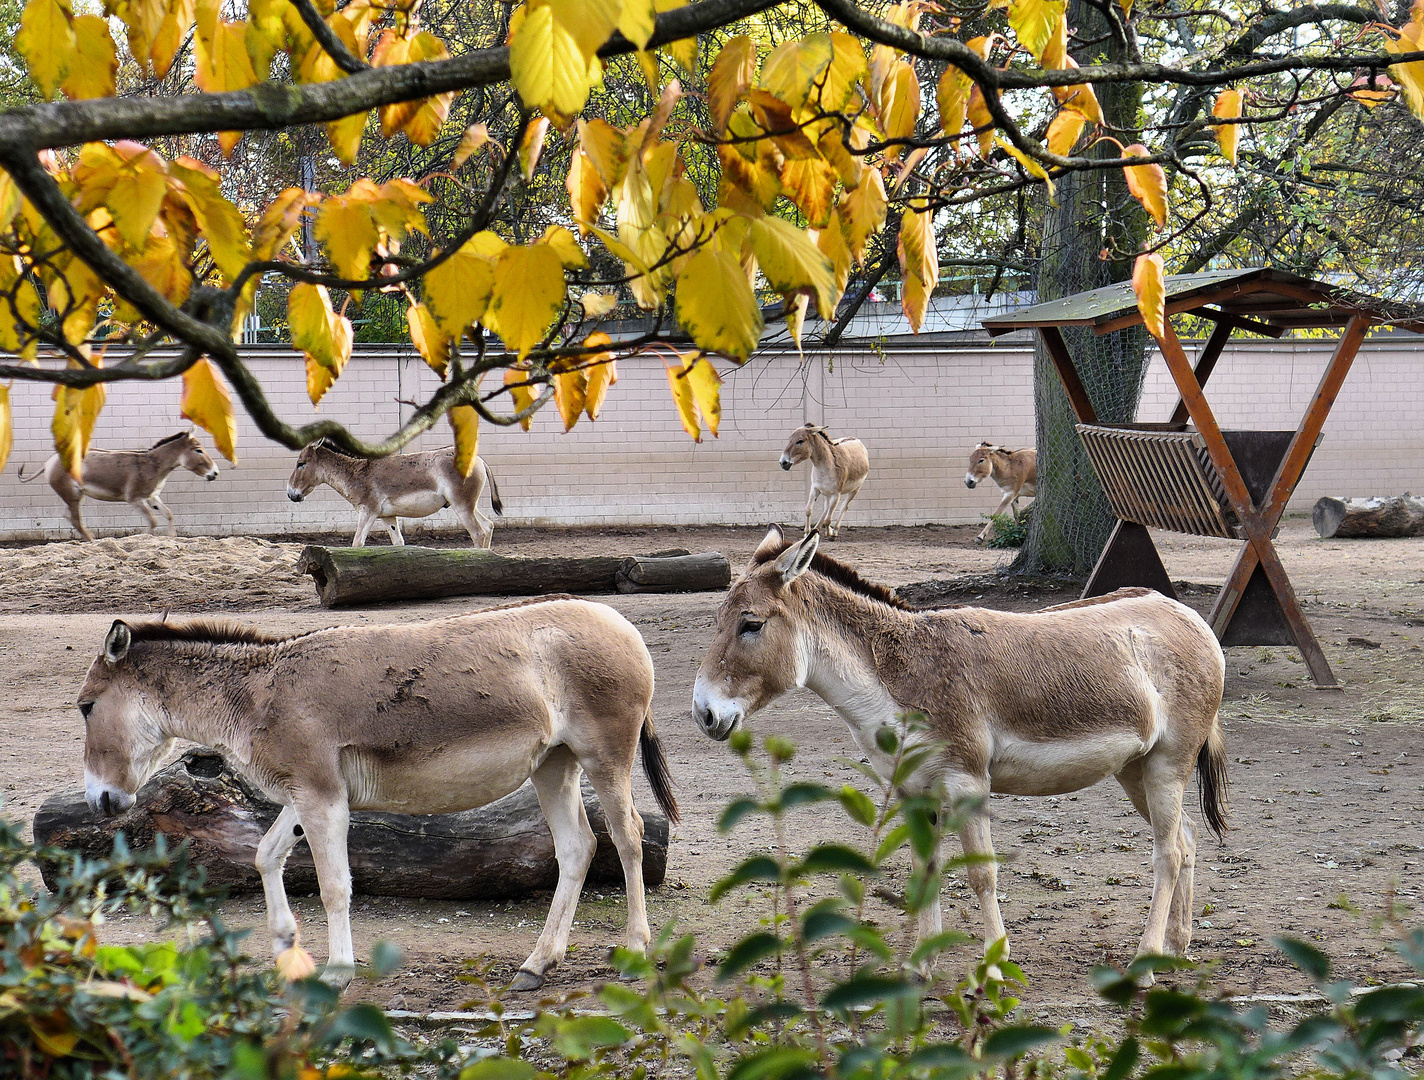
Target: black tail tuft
<point>1212,782</point>
<point>494,493</point>
<point>655,767</point>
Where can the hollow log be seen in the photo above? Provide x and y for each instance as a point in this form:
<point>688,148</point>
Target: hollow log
<point>367,575</point>
<point>1382,517</point>
<point>497,851</point>
<point>689,573</point>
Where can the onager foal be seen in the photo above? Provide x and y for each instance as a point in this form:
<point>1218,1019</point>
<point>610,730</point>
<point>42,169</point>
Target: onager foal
<point>132,476</point>
<point>422,718</point>
<point>400,485</point>
<point>1014,471</point>
<point>1045,703</point>
<point>838,468</point>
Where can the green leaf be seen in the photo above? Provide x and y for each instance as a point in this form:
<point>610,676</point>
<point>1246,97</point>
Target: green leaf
<point>498,1068</point>
<point>924,838</point>
<point>801,794</point>
<point>858,805</point>
<point>757,868</point>
<point>1013,1042</point>
<point>578,1038</point>
<point>933,946</point>
<point>862,989</point>
<point>363,1023</point>
<point>892,843</point>
<point>1305,956</point>
<point>823,923</point>
<point>735,811</point>
<point>778,1012</point>
<point>887,738</point>
<point>778,1063</point>
<point>836,858</point>
<point>1392,1004</point>
<point>1123,1061</point>
<point>385,958</point>
<point>748,951</point>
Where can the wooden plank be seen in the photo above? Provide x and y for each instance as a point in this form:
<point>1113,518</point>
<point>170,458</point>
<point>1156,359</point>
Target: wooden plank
<point>1067,371</point>
<point>1187,303</point>
<point>1206,364</point>
<point>1239,322</point>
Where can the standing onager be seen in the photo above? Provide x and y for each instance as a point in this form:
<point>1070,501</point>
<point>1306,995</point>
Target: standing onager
<point>132,476</point>
<point>1027,704</point>
<point>401,485</point>
<point>423,718</point>
<point>1015,471</point>
<point>838,468</point>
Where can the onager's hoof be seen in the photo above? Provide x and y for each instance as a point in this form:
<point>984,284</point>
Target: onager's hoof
<point>338,976</point>
<point>525,980</point>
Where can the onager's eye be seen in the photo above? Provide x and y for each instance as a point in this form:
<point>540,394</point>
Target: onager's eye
<point>749,625</point>
<point>85,708</point>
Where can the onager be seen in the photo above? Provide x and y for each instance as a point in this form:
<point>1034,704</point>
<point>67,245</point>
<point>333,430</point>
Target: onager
<point>422,718</point>
<point>1014,471</point>
<point>132,476</point>
<point>838,468</point>
<point>401,485</point>
<point>1044,703</point>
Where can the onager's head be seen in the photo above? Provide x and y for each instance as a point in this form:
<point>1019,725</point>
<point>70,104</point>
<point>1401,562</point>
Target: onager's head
<point>123,731</point>
<point>755,656</point>
<point>798,446</point>
<point>981,464</point>
<point>308,473</point>
<point>196,460</point>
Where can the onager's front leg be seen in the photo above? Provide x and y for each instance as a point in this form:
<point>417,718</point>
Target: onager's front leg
<point>365,518</point>
<point>140,502</point>
<point>159,504</point>
<point>271,858</point>
<point>325,822</point>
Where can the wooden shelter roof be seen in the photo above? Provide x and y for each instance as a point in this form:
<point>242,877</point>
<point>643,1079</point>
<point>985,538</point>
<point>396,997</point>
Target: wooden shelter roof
<point>1260,299</point>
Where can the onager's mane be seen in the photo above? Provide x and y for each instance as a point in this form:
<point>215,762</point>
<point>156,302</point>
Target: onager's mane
<point>208,632</point>
<point>168,439</point>
<point>842,575</point>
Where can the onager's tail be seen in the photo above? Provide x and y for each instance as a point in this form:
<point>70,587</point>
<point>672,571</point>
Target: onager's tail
<point>655,767</point>
<point>33,476</point>
<point>494,492</point>
<point>1212,782</point>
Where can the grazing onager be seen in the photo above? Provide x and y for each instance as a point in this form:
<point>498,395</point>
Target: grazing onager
<point>421,718</point>
<point>1044,703</point>
<point>132,476</point>
<point>401,485</point>
<point>838,468</point>
<point>1014,471</point>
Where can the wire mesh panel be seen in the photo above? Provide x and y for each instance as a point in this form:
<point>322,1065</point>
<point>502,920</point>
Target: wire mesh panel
<point>1162,479</point>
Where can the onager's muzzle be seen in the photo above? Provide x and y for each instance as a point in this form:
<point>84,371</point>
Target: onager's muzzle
<point>104,798</point>
<point>716,715</point>
<point>294,494</point>
<point>786,463</point>
<point>970,480</point>
<point>211,475</point>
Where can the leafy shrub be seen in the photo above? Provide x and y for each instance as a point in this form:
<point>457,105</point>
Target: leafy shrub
<point>1010,530</point>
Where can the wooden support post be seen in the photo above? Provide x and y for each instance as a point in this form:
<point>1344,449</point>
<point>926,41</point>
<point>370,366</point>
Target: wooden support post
<point>1067,371</point>
<point>1206,364</point>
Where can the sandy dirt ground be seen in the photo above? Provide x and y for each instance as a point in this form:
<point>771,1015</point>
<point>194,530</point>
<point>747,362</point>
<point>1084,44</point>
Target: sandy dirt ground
<point>1327,788</point>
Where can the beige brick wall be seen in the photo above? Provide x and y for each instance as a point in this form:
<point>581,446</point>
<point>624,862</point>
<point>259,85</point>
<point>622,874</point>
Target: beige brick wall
<point>918,410</point>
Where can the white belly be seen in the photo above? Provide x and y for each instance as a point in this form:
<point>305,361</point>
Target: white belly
<point>414,504</point>
<point>1019,767</point>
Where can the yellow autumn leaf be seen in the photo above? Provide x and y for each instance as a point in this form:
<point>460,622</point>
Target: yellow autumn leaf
<point>811,184</point>
<point>347,229</point>
<point>919,264</point>
<point>224,64</point>
<point>96,61</point>
<point>309,320</point>
<point>1149,283</point>
<point>716,305</point>
<point>521,396</point>
<point>607,149</point>
<point>832,243</point>
<point>1064,130</point>
<point>683,398</point>
<point>320,379</point>
<point>465,422</point>
<point>1148,183</point>
<point>532,146</point>
<point>1035,22</point>
<point>528,295</point>
<point>7,425</point>
<point>428,338</point>
<point>219,221</point>
<point>637,21</point>
<point>794,66</point>
<point>75,412</point>
<point>596,304</point>
<point>590,22</point>
<point>295,964</point>
<point>602,371</point>
<point>208,403</point>
<point>899,105</point>
<point>1227,107</point>
<point>1410,77</point>
<point>952,96</point>
<point>792,263</point>
<point>476,136</point>
<point>587,192</point>
<point>345,136</point>
<point>706,386</point>
<point>135,199</point>
<point>20,316</point>
<point>457,292</point>
<point>730,78</point>
<point>428,117</point>
<point>980,119</point>
<point>547,66</point>
<point>1031,166</point>
<point>570,394</point>
<point>47,42</point>
<point>280,221</point>
<point>863,211</point>
<point>834,90</point>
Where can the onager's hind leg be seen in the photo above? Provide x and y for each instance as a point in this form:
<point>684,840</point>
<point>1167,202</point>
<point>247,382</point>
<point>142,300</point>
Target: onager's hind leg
<point>325,822</point>
<point>614,784</point>
<point>140,503</point>
<point>1163,788</point>
<point>982,871</point>
<point>1179,921</point>
<point>77,520</point>
<point>556,782</point>
<point>831,501</point>
<point>850,498</point>
<point>271,858</point>
<point>159,504</point>
<point>393,527</point>
<point>364,520</point>
<point>480,528</point>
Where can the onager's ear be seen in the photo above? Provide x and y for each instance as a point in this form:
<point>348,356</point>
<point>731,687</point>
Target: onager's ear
<point>797,559</point>
<point>116,645</point>
<point>770,545</point>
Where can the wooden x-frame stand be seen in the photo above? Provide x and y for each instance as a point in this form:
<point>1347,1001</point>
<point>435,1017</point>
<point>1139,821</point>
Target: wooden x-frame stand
<point>1257,590</point>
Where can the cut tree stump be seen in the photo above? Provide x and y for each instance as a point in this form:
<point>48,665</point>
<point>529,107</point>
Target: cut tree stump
<point>366,575</point>
<point>687,573</point>
<point>497,851</point>
<point>1384,517</point>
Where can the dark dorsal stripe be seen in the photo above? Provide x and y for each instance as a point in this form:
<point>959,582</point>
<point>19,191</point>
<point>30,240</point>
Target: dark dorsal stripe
<point>206,632</point>
<point>844,576</point>
<point>171,438</point>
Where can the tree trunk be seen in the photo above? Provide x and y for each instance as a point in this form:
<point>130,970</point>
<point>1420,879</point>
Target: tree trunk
<point>497,851</point>
<point>688,573</point>
<point>363,575</point>
<point>1095,216</point>
<point>1402,515</point>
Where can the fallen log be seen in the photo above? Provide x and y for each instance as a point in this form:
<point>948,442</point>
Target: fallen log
<point>366,575</point>
<point>688,573</point>
<point>1383,517</point>
<point>497,851</point>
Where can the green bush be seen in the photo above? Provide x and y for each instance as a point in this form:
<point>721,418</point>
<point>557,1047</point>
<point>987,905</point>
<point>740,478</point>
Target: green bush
<point>1010,530</point>
<point>818,990</point>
